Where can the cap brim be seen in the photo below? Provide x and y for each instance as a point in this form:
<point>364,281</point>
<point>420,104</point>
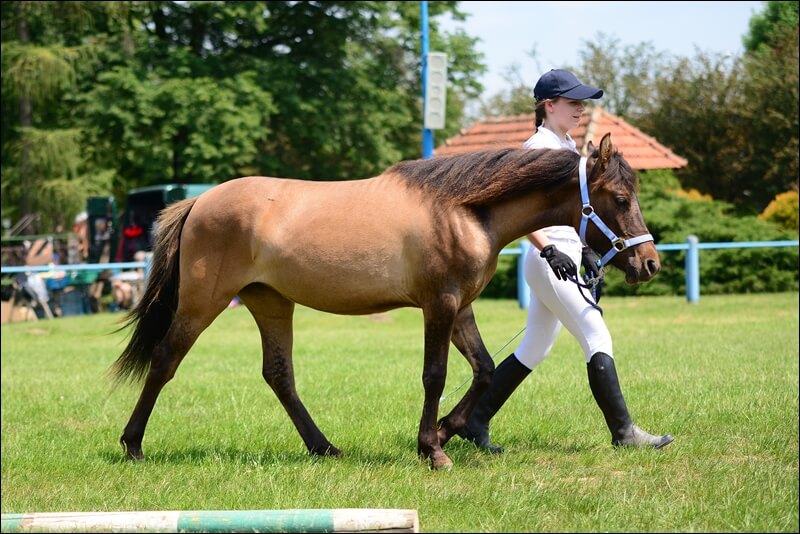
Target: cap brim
<point>582,92</point>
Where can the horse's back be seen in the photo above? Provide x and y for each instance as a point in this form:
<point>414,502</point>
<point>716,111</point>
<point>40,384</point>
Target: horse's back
<point>290,213</point>
<point>343,247</point>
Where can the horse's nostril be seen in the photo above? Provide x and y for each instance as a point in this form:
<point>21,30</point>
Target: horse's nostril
<point>652,267</point>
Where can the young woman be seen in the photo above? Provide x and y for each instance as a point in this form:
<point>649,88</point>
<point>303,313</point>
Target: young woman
<point>555,301</point>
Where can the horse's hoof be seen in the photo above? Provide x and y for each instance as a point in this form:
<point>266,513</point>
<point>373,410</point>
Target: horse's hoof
<point>442,466</point>
<point>132,453</point>
<point>327,450</point>
<point>440,462</point>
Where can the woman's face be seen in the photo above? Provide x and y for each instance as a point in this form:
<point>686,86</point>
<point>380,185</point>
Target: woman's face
<point>564,113</point>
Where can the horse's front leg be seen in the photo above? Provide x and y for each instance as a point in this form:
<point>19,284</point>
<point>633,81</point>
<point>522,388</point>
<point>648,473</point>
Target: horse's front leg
<point>467,340</point>
<point>439,319</point>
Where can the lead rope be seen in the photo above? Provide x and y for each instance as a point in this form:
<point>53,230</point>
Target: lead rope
<point>591,284</point>
<point>443,397</point>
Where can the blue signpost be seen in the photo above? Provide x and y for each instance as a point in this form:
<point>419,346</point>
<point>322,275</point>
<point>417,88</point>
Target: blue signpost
<point>434,89</point>
<point>427,133</point>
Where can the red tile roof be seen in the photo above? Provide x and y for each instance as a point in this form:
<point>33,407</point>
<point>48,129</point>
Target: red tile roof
<point>640,150</point>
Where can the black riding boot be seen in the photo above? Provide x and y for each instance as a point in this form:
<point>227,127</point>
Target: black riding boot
<point>507,376</point>
<point>605,388</point>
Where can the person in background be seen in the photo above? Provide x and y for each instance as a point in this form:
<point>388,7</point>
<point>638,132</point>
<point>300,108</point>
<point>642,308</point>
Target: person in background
<point>80,228</point>
<point>554,299</point>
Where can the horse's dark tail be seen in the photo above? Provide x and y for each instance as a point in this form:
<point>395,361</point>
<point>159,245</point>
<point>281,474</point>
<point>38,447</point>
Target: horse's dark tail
<point>153,314</point>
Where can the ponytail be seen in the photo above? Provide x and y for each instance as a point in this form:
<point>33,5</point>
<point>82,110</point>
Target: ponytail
<point>540,112</point>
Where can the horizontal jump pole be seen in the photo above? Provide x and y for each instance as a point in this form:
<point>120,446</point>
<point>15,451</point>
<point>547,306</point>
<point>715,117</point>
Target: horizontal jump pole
<point>319,520</point>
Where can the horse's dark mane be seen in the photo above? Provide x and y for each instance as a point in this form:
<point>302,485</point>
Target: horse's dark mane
<point>619,169</point>
<point>489,176</point>
<point>479,178</point>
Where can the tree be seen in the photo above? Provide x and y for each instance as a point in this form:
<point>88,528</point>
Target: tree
<point>43,168</point>
<point>696,112</point>
<point>180,129</point>
<point>734,119</point>
<point>342,80</point>
<point>769,106</point>
<point>627,74</point>
<point>516,101</point>
<point>767,29</point>
<point>208,91</point>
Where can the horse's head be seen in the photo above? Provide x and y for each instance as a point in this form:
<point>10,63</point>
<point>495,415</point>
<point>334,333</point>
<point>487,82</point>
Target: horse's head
<point>612,188</point>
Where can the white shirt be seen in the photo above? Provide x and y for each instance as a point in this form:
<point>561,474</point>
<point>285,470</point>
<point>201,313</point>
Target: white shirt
<point>544,138</point>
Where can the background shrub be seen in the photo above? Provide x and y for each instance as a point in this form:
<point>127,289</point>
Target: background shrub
<point>783,211</point>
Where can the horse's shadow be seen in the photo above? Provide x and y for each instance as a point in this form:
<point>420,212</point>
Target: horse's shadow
<point>462,452</point>
<point>198,455</point>
<point>233,455</point>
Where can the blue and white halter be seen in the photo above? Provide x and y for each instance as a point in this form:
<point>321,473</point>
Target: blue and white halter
<point>588,214</point>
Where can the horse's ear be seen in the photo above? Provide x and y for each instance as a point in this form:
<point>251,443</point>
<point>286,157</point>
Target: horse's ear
<point>590,147</point>
<point>606,149</point>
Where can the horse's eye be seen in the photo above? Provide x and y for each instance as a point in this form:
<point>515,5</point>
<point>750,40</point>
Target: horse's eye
<point>622,202</point>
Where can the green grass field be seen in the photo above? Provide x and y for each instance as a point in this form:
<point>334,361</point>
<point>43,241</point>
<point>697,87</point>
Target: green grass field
<point>720,375</point>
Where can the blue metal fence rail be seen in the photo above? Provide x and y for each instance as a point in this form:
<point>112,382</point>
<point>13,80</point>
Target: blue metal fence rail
<point>692,262</point>
<point>53,268</point>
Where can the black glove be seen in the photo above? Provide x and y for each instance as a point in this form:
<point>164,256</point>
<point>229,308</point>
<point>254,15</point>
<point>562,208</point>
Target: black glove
<point>593,273</point>
<point>591,263</point>
<point>561,264</point>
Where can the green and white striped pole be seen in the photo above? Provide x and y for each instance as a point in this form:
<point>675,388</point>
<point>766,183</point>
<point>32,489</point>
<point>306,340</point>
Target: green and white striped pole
<point>322,520</point>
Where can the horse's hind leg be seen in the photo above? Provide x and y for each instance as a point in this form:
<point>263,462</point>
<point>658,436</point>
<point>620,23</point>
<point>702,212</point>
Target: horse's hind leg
<point>167,356</point>
<point>467,340</point>
<point>273,314</point>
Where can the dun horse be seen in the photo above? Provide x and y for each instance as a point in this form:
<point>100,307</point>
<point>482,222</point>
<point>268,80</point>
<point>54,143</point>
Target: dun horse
<point>424,233</point>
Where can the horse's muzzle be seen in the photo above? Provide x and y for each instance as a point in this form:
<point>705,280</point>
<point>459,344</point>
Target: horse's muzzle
<point>644,272</point>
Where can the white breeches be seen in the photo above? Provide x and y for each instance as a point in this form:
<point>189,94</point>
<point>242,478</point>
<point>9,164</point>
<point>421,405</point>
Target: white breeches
<point>554,303</point>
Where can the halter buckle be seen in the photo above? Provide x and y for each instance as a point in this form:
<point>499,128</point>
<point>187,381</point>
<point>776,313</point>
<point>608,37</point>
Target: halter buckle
<point>587,210</point>
<point>619,244</point>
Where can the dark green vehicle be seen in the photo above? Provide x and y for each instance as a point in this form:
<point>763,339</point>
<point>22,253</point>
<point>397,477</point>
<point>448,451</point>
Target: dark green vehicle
<point>142,205</point>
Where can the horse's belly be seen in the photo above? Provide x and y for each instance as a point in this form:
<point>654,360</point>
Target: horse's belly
<point>355,285</point>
